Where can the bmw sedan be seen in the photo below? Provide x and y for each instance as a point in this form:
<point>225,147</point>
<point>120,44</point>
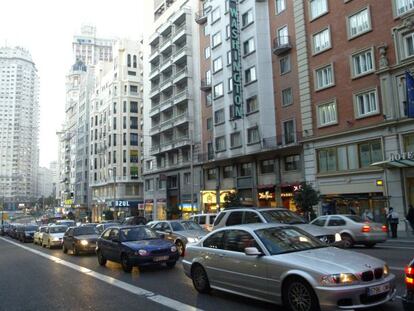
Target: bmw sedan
<point>285,265</point>
<point>135,246</point>
<point>80,239</point>
<point>53,236</point>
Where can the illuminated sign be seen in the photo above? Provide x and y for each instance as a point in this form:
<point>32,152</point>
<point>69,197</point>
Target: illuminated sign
<point>379,182</point>
<point>286,195</point>
<point>235,59</point>
<point>266,195</point>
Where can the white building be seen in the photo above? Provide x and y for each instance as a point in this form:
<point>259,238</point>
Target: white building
<point>19,126</point>
<point>44,182</point>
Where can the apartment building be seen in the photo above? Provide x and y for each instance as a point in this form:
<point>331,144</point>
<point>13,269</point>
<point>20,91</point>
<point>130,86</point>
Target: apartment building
<point>116,146</point>
<point>172,113</point>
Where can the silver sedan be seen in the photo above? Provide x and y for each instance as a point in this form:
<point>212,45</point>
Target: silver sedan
<point>285,265</point>
<point>353,229</point>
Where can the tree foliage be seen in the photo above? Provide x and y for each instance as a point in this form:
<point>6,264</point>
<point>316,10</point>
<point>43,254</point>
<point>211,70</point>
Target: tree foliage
<point>231,199</point>
<point>306,197</point>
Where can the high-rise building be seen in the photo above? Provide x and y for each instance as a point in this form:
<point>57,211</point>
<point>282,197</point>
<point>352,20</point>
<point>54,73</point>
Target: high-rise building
<point>44,182</point>
<point>172,113</point>
<point>19,127</point>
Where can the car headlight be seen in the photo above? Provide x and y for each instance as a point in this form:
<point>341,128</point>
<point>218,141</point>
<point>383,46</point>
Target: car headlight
<point>192,240</point>
<point>141,252</point>
<point>338,279</point>
<point>84,242</point>
<point>55,239</point>
<point>386,270</point>
<point>173,249</point>
<point>338,237</point>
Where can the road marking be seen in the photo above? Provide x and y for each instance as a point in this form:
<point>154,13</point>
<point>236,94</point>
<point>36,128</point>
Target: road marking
<point>162,300</point>
<point>393,247</point>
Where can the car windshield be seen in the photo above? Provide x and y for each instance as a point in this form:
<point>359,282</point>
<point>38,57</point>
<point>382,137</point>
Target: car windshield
<point>283,217</point>
<point>110,224</point>
<point>355,218</point>
<point>57,229</point>
<point>287,240</point>
<point>138,233</point>
<point>30,228</point>
<point>190,225</point>
<point>85,230</point>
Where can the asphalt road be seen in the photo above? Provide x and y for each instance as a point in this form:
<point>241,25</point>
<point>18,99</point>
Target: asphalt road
<point>34,278</point>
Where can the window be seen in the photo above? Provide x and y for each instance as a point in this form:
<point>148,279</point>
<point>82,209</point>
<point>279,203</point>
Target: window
<point>218,90</point>
<point>124,106</point>
<point>282,36</point>
<point>235,218</point>
<point>208,77</point>
<point>219,116</point>
<point>133,107</point>
<point>230,88</point>
<point>280,6</point>
<point>235,140</point>
<point>216,39</point>
<point>228,171</point>
<point>172,182</point>
<point>252,104</point>
<point>321,41</point>
<point>227,32</point>
<point>318,7</point>
<point>362,63</point>
<point>228,57</point>
<point>369,153</point>
<point>207,52</point>
<point>215,15</point>
<point>409,44</point>
<point>248,46</point>
<point>149,185</point>
<point>250,74</point>
<point>133,89</point>
<point>187,178</point>
<point>253,136</point>
<point>133,123</point>
<point>211,174</point>
<point>210,151</point>
<point>327,160</point>
<point>215,240</point>
<point>284,63</point>
<point>327,114</point>
<point>403,6</point>
<point>319,221</point>
<point>247,18</point>
<point>220,144</point>
<point>366,103</point>
<point>134,139</point>
<point>359,23</point>
<point>267,166</point>
<point>209,124</point>
<point>289,132</point>
<point>336,221</point>
<point>217,64</point>
<point>292,163</point>
<point>287,97</point>
<point>324,77</point>
<point>251,218</point>
<point>245,169</point>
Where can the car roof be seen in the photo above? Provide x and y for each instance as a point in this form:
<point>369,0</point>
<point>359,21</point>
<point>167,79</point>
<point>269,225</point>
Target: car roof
<point>255,208</point>
<point>255,226</point>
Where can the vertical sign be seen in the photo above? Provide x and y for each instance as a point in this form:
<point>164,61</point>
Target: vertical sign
<point>235,59</point>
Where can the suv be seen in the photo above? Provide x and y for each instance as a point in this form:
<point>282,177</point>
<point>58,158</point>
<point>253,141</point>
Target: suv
<point>204,220</point>
<point>249,215</point>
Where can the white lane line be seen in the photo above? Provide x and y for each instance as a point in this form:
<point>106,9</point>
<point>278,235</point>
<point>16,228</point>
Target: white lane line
<point>394,247</point>
<point>162,300</point>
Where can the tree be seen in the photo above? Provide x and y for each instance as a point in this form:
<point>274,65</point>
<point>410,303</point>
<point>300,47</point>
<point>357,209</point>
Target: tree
<point>231,199</point>
<point>305,198</point>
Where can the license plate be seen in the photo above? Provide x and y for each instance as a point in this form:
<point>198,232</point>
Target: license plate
<point>379,289</point>
<point>161,258</point>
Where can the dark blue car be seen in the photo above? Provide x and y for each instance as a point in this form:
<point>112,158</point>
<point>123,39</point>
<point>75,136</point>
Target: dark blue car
<point>135,246</point>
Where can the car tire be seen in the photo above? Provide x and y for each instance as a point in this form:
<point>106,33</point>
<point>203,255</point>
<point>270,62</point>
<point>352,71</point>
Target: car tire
<point>171,264</point>
<point>370,245</point>
<point>347,241</point>
<point>101,259</point>
<point>48,245</point>
<point>75,250</point>
<point>200,279</point>
<point>180,248</point>
<point>298,295</point>
<point>64,249</point>
<point>125,263</point>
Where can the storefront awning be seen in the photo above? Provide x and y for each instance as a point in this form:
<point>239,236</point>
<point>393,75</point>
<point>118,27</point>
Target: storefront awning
<point>394,163</point>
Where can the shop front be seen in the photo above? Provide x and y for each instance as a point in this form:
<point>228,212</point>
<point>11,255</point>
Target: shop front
<point>126,208</point>
<point>161,209</point>
<point>149,209</point>
<point>266,196</point>
<point>213,201</point>
<point>286,194</point>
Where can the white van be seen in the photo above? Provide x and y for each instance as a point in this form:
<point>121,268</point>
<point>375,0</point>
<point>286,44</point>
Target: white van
<point>204,220</point>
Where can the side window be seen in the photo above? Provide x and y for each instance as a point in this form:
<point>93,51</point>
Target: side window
<point>195,219</point>
<point>238,240</point>
<point>158,226</point>
<point>336,221</point>
<point>202,220</point>
<point>251,218</point>
<point>212,218</point>
<point>114,234</point>
<point>106,234</point>
<point>215,241</point>
<point>166,226</point>
<point>219,218</point>
<point>319,222</point>
<point>235,218</point>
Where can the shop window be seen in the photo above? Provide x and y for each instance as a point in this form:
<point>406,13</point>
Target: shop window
<point>267,166</point>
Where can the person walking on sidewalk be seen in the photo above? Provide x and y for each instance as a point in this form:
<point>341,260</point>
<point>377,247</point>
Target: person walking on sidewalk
<point>410,216</point>
<point>392,218</point>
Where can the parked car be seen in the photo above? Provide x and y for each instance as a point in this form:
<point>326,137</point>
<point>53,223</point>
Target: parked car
<point>204,220</point>
<point>247,215</point>
<point>286,265</point>
<point>25,233</point>
<point>134,220</point>
<point>408,298</point>
<point>353,229</point>
<point>38,235</point>
<point>180,232</point>
<point>13,230</point>
<point>53,236</point>
<point>4,228</point>
<point>80,239</point>
<point>65,222</point>
<point>103,226</point>
<point>135,246</point>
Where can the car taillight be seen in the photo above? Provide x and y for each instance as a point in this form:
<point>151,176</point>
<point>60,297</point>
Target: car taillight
<point>409,271</point>
<point>366,228</point>
<point>384,228</point>
<point>409,275</point>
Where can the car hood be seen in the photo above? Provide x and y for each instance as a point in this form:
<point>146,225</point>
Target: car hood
<point>192,233</point>
<point>57,235</point>
<point>87,237</point>
<point>331,260</point>
<point>314,230</point>
<point>148,244</point>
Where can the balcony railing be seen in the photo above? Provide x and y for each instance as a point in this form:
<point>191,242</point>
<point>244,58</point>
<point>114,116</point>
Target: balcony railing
<point>205,85</point>
<point>201,16</point>
<point>281,45</point>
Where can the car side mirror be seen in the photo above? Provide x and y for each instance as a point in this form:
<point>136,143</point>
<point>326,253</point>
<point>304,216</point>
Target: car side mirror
<point>252,251</point>
<point>162,236</point>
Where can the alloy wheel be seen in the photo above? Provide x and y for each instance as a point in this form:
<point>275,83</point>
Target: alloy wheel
<point>299,297</point>
<point>200,279</point>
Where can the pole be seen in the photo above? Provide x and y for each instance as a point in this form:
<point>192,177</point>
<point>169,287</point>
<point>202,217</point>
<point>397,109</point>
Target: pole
<point>113,174</point>
<point>192,172</point>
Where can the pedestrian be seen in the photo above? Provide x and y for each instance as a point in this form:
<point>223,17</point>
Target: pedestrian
<point>392,218</point>
<point>410,216</point>
<point>367,215</point>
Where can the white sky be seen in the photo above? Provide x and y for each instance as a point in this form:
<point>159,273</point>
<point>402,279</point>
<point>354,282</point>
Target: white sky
<point>46,29</point>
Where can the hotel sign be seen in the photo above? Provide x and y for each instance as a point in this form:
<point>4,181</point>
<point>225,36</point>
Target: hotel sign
<point>235,59</point>
<point>402,156</point>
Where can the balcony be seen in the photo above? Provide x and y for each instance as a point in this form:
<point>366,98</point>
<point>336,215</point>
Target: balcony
<point>201,16</point>
<point>154,91</point>
<point>179,54</point>
<point>205,85</point>
<point>181,74</point>
<point>166,83</point>
<point>171,144</point>
<point>179,33</point>
<point>166,63</point>
<point>170,123</point>
<point>281,45</point>
<point>166,104</point>
<point>282,141</point>
<point>155,71</point>
<point>181,96</point>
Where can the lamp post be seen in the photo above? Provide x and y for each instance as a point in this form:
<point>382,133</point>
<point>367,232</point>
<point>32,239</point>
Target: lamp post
<point>113,170</point>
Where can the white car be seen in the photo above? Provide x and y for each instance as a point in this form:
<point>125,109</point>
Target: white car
<point>204,220</point>
<point>53,236</point>
<point>38,235</point>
